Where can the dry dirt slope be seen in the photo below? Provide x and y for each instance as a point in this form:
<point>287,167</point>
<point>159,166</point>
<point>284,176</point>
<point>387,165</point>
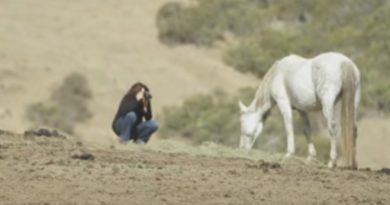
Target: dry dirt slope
<point>43,170</point>
<point>114,43</point>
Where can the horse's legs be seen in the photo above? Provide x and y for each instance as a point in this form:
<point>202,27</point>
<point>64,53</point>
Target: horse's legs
<point>286,111</point>
<point>328,111</point>
<point>311,150</point>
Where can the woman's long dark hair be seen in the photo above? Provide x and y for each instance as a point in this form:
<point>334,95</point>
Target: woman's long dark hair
<point>136,88</point>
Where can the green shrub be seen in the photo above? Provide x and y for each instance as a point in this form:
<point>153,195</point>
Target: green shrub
<point>256,55</point>
<point>203,118</point>
<point>207,20</point>
<point>73,96</point>
<point>67,107</point>
<point>49,114</point>
<point>179,24</point>
<point>358,28</point>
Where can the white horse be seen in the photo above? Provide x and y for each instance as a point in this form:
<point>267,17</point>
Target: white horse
<point>305,85</point>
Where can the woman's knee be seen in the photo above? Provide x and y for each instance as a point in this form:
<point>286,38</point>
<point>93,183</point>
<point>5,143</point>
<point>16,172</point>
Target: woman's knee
<point>131,116</point>
<point>153,125</point>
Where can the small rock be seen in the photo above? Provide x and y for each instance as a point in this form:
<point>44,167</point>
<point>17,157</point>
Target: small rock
<point>115,170</point>
<point>265,166</point>
<point>384,171</point>
<point>80,154</point>
<point>366,169</point>
<point>5,132</point>
<point>48,162</point>
<point>233,172</point>
<point>140,166</point>
<point>44,132</point>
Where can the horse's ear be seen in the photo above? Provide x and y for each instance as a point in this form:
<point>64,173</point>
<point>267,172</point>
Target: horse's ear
<point>243,108</point>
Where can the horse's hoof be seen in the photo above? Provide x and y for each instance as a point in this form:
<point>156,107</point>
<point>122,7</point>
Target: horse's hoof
<point>309,159</point>
<point>288,155</point>
<point>331,164</point>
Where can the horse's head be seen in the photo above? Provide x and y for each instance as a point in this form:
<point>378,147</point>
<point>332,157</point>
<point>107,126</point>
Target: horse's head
<point>251,125</point>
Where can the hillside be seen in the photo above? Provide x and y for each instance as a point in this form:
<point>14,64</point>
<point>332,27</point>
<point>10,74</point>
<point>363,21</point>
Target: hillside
<point>113,43</point>
<point>116,43</point>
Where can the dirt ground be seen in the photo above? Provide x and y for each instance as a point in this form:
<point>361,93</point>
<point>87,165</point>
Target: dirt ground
<point>56,170</point>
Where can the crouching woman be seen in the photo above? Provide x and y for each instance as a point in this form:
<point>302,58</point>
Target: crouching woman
<point>133,121</point>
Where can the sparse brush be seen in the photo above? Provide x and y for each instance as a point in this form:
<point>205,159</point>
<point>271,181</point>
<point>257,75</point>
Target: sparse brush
<point>67,107</point>
<point>268,30</point>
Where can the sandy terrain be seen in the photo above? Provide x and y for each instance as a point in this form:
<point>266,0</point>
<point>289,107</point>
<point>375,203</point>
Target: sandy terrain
<point>373,144</point>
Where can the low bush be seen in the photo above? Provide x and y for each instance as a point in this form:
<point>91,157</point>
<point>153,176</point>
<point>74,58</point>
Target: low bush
<point>67,107</point>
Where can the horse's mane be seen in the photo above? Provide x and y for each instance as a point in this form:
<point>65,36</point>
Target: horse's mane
<point>263,93</point>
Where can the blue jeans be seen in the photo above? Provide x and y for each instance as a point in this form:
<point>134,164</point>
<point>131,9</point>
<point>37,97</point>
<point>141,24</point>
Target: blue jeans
<point>130,130</point>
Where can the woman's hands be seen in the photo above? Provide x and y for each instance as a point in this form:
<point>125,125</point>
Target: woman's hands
<point>140,94</point>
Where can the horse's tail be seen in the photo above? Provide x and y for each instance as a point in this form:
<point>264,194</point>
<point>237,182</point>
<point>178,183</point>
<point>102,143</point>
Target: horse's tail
<point>349,131</point>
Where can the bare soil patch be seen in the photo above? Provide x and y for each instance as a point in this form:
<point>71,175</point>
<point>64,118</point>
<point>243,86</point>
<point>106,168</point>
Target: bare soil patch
<point>43,170</point>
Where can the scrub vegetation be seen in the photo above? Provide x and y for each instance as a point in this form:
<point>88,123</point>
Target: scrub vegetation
<point>67,106</point>
<point>262,32</point>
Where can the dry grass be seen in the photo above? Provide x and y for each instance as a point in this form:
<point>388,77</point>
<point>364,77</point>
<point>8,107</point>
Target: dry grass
<point>211,149</point>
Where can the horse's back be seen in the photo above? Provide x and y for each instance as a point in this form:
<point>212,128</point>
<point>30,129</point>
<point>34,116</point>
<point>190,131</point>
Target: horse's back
<point>293,83</point>
<point>332,63</point>
<point>305,79</point>
<point>327,69</point>
<point>329,61</point>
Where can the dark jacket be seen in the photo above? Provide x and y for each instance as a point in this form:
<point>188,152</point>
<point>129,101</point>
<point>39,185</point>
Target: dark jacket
<point>130,104</point>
